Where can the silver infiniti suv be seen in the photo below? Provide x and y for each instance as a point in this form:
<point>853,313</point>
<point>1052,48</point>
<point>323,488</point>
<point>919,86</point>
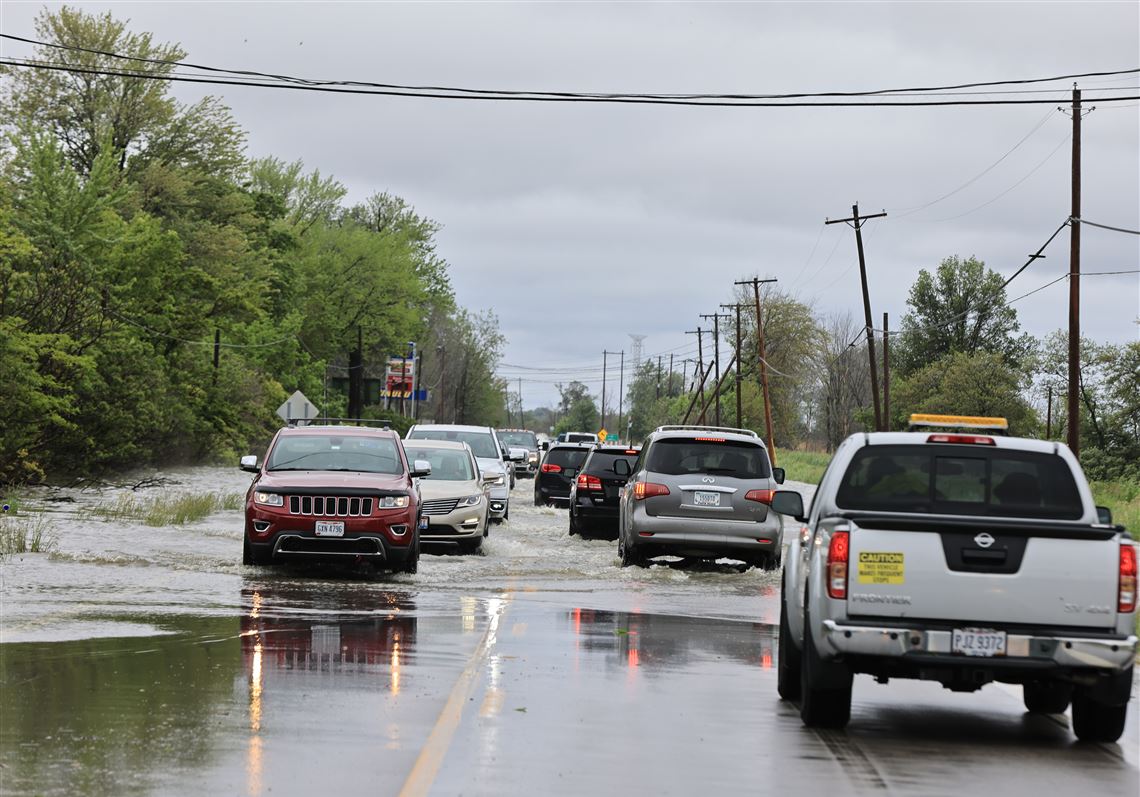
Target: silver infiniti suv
<point>702,492</point>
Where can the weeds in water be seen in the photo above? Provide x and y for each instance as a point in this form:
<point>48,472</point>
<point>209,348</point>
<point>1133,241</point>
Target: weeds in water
<point>26,533</point>
<point>168,510</point>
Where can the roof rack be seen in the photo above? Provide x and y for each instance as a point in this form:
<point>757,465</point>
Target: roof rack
<point>925,421</point>
<point>690,428</point>
<point>322,421</point>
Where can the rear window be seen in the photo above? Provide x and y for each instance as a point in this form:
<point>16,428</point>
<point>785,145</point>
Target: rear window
<point>360,453</point>
<point>566,457</point>
<point>482,444</point>
<point>959,480</point>
<point>581,437</point>
<point>676,456</point>
<point>603,462</point>
<point>523,439</point>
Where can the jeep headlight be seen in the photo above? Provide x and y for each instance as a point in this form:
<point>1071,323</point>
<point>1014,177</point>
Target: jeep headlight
<point>471,500</point>
<point>394,502</point>
<point>269,499</point>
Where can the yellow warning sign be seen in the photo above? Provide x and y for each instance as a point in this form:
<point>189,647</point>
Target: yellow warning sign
<point>602,435</point>
<point>876,567</point>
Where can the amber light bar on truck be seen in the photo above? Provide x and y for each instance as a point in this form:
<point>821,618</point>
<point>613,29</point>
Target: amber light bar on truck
<point>921,420</point>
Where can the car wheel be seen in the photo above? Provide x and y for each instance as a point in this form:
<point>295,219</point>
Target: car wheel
<point>507,511</point>
<point>487,523</point>
<point>1044,697</point>
<point>538,501</point>
<point>471,546</point>
<point>788,665</point>
<point>573,524</point>
<point>411,564</point>
<point>628,554</point>
<point>250,557</point>
<point>825,687</point>
<point>1093,720</point>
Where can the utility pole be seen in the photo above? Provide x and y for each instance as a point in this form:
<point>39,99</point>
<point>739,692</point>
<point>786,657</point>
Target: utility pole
<point>716,317</point>
<point>856,222</point>
<point>658,376</point>
<point>1049,413</point>
<point>522,421</point>
<point>218,353</point>
<point>669,385</point>
<point>737,307</point>
<point>684,374</point>
<point>886,376</point>
<point>604,353</point>
<point>621,390</point>
<point>700,365</point>
<point>1073,408</point>
<point>755,283</point>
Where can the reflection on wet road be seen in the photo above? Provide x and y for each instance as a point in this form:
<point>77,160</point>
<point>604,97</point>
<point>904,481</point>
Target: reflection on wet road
<point>541,667</point>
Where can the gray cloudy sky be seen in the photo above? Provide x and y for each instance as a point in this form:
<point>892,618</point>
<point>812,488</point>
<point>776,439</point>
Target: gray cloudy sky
<point>579,224</point>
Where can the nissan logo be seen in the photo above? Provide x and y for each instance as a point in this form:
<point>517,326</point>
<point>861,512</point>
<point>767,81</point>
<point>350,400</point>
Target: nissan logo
<point>984,540</point>
<point>708,479</point>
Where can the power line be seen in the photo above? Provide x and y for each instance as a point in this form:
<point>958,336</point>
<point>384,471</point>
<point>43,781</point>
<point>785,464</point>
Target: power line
<point>571,95</point>
<point>345,87</point>
<point>1107,227</point>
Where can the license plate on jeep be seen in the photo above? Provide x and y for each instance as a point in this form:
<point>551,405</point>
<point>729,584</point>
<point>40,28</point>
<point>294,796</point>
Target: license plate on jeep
<point>329,528</point>
<point>978,642</point>
<point>706,499</point>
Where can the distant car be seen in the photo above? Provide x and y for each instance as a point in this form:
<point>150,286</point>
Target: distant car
<point>454,502</point>
<point>526,439</point>
<point>594,504</point>
<point>334,493</point>
<point>489,452</point>
<point>703,492</point>
<point>557,472</point>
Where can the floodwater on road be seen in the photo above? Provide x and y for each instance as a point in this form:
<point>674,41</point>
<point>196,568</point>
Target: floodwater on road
<point>140,659</point>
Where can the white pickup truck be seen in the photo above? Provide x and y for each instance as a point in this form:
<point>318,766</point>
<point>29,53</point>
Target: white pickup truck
<point>964,559</point>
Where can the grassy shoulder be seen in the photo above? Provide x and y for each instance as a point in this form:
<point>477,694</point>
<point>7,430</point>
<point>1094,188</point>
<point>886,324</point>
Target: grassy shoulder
<point>802,466</point>
<point>1123,498</point>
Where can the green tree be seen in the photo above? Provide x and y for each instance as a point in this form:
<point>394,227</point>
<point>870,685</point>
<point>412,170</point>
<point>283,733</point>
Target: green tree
<point>982,383</point>
<point>577,408</point>
<point>960,308</point>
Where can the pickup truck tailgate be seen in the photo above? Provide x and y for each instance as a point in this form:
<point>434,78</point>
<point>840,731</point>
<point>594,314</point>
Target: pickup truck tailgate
<point>983,573</point>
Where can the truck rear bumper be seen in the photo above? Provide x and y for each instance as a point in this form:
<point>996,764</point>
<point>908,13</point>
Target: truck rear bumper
<point>1031,650</point>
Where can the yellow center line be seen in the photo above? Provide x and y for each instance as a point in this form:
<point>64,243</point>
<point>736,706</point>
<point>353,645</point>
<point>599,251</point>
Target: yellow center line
<point>430,759</point>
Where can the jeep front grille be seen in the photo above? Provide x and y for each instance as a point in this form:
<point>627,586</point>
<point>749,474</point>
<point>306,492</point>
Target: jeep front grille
<point>330,505</point>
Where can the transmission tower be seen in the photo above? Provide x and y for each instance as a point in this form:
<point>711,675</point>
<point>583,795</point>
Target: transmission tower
<point>637,339</point>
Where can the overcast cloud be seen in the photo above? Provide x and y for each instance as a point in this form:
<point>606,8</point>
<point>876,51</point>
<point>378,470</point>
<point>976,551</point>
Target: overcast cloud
<point>578,224</point>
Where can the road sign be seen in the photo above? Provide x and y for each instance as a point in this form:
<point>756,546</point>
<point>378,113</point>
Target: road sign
<point>297,407</point>
<point>602,434</point>
<point>611,437</point>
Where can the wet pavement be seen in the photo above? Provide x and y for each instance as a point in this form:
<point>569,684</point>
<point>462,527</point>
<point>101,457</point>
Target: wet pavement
<point>147,660</point>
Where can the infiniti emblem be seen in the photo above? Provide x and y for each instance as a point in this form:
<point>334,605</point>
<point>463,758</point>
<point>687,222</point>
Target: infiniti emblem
<point>708,479</point>
<point>984,540</point>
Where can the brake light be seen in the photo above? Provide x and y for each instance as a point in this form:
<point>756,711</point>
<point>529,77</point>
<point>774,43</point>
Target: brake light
<point>967,439</point>
<point>761,496</point>
<point>643,490</point>
<point>709,439</point>
<point>632,451</point>
<point>587,482</point>
<point>837,552</point>
<point>551,468</point>
<point>1126,595</point>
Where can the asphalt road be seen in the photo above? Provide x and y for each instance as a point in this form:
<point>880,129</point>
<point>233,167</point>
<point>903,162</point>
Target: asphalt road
<point>539,668</point>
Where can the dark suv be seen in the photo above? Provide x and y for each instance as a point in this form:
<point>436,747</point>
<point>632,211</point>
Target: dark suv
<point>594,505</point>
<point>334,492</point>
<point>556,474</point>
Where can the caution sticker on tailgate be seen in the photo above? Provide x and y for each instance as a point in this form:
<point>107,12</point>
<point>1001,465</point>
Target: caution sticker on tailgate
<point>879,567</point>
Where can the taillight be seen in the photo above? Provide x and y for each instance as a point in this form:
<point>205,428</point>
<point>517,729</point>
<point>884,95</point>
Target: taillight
<point>966,439</point>
<point>1126,595</point>
<point>551,468</point>
<point>762,496</point>
<point>587,482</point>
<point>643,490</point>
<point>837,564</point>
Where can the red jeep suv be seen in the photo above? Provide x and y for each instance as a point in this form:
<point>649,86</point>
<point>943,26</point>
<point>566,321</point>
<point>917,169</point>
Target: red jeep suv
<point>334,492</point>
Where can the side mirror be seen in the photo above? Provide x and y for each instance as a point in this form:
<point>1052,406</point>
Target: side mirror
<point>1104,515</point>
<point>790,503</point>
<point>249,463</point>
<point>544,445</point>
<point>621,468</point>
<point>778,475</point>
<point>421,468</point>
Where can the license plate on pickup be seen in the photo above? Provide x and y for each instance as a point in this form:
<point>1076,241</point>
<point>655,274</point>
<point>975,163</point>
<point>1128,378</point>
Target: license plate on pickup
<point>329,528</point>
<point>977,642</point>
<point>706,499</point>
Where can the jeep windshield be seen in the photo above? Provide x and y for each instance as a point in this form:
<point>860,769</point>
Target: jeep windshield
<point>359,453</point>
<point>960,480</point>
<point>482,443</point>
<point>676,456</point>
